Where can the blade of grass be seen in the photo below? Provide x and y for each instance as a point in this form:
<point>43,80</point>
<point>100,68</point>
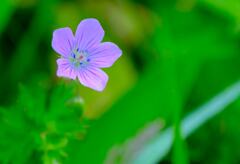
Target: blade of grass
<point>27,49</point>
<point>156,149</point>
<point>179,152</point>
<point>6,10</point>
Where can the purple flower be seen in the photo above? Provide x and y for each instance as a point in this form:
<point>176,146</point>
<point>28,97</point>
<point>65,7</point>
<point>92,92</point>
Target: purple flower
<point>83,55</point>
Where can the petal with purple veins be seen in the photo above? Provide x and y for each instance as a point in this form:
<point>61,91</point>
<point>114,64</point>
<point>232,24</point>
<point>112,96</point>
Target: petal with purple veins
<point>89,33</point>
<point>65,69</point>
<point>104,55</point>
<point>93,78</point>
<point>63,41</point>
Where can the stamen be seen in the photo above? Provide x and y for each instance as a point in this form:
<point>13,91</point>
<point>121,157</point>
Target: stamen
<point>79,58</point>
<point>74,56</point>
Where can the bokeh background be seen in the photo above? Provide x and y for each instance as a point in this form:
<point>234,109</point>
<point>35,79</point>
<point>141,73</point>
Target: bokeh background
<point>177,55</point>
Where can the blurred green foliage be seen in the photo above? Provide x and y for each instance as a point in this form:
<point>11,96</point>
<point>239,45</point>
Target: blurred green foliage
<point>177,54</point>
<point>41,124</point>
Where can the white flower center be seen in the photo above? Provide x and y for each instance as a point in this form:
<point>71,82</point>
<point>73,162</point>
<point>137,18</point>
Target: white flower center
<point>79,58</point>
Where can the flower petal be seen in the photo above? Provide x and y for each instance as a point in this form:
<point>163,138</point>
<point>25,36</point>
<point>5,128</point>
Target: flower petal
<point>62,41</point>
<point>93,78</point>
<point>65,69</point>
<point>104,55</point>
<point>89,33</point>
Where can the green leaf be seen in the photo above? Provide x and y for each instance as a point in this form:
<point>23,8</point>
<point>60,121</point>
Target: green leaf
<point>42,121</point>
<point>228,8</point>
